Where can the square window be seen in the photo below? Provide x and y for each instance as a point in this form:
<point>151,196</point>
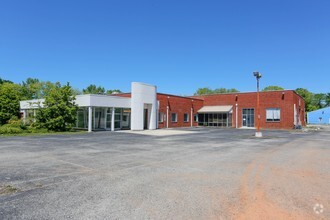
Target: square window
<point>161,117</point>
<point>185,117</point>
<point>196,117</point>
<point>273,114</point>
<point>174,117</point>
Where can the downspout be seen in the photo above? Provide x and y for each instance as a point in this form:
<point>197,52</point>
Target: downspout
<point>167,112</point>
<point>192,118</point>
<point>157,115</point>
<point>167,116</point>
<point>236,116</point>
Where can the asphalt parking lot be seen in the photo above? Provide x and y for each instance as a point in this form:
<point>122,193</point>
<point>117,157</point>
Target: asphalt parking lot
<point>195,173</point>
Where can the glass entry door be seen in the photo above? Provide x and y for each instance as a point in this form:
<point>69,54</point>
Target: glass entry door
<point>99,119</point>
<point>126,119</point>
<point>109,118</point>
<point>118,113</point>
<point>248,117</point>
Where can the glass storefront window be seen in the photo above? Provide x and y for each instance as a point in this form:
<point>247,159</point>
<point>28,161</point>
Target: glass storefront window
<point>117,117</point>
<point>215,119</point>
<point>102,118</point>
<point>82,118</point>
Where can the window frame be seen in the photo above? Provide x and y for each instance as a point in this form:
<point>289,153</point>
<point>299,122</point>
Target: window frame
<point>176,117</point>
<point>195,117</point>
<point>275,114</point>
<point>160,117</point>
<point>184,115</point>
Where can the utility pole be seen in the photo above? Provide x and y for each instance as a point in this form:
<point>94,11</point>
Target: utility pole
<point>258,132</point>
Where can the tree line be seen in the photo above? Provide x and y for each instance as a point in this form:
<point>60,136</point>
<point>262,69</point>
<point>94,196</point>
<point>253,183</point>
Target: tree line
<point>59,112</point>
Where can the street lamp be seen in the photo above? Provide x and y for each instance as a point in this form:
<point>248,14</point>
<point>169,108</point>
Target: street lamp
<point>258,132</point>
<point>167,111</point>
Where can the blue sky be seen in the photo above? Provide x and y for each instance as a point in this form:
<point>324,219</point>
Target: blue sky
<point>178,45</point>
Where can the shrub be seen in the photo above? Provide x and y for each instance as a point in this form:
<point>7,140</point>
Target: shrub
<point>18,128</point>
<point>10,95</point>
<point>10,129</point>
<point>32,129</point>
<point>60,111</point>
<point>17,123</point>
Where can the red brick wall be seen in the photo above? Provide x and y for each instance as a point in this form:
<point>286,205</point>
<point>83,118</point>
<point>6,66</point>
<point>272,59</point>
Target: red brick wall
<point>300,103</point>
<point>179,105</point>
<point>284,100</point>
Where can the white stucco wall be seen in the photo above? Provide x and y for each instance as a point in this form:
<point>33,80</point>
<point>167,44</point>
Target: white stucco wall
<point>85,101</point>
<point>103,101</point>
<point>143,96</point>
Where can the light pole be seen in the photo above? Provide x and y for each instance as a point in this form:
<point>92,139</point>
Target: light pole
<point>258,132</point>
<point>167,111</point>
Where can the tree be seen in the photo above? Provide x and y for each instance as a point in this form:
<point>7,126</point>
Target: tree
<point>77,91</point>
<point>327,99</point>
<point>272,88</point>
<point>32,88</point>
<point>307,96</point>
<point>35,89</point>
<point>114,91</point>
<point>59,112</point>
<point>224,90</point>
<point>208,91</point>
<point>204,91</point>
<point>318,100</point>
<point>10,95</point>
<point>47,88</point>
<point>2,81</point>
<point>92,89</point>
<point>232,90</point>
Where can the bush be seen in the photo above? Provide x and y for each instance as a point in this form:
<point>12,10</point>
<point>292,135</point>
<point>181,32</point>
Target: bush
<point>10,129</point>
<point>14,126</point>
<point>18,128</point>
<point>32,129</point>
<point>17,123</point>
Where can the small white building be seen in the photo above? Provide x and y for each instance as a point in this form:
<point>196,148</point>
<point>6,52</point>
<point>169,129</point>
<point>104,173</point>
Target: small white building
<point>106,112</point>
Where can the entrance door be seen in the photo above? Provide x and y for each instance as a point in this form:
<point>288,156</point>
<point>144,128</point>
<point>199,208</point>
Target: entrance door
<point>99,118</point>
<point>109,118</point>
<point>126,119</point>
<point>248,117</point>
<point>145,119</point>
<point>118,114</point>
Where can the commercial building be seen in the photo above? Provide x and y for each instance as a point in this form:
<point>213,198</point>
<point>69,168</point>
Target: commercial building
<point>320,116</point>
<point>278,109</point>
<point>144,108</point>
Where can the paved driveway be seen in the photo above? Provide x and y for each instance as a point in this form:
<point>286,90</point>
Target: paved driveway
<point>196,173</point>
